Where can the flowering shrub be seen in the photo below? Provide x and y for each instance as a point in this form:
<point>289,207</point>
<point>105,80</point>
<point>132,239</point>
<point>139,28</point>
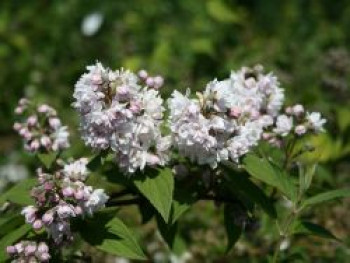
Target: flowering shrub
<point>235,144</point>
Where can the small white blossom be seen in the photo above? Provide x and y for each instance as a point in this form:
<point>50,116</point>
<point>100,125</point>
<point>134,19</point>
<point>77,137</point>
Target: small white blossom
<point>283,125</point>
<point>316,121</point>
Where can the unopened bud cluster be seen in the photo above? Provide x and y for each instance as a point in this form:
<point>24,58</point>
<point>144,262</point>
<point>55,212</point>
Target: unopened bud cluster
<point>122,112</point>
<point>29,251</point>
<point>41,130</point>
<point>61,196</point>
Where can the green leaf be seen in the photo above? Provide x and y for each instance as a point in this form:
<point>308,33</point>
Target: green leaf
<point>157,186</point>
<point>327,196</point>
<point>233,230</point>
<point>19,193</point>
<point>112,236</point>
<point>183,200</point>
<point>168,231</point>
<point>247,189</point>
<point>221,12</point>
<point>11,223</point>
<point>11,238</point>
<point>306,173</point>
<point>47,159</point>
<point>262,170</point>
<point>309,228</point>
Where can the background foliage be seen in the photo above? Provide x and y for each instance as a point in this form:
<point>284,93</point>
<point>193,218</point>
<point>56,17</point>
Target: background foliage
<point>43,52</point>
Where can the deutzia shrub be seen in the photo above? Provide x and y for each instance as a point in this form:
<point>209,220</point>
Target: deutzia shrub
<point>234,143</point>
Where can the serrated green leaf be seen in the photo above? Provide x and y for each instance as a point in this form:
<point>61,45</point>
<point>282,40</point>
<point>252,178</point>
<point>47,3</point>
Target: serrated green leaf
<point>19,193</point>
<point>240,183</point>
<point>262,170</point>
<point>233,230</point>
<point>309,228</point>
<point>11,238</point>
<point>157,186</point>
<point>47,159</point>
<point>112,236</point>
<point>327,196</point>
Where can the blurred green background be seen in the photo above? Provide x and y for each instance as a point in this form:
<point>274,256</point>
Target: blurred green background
<point>45,46</point>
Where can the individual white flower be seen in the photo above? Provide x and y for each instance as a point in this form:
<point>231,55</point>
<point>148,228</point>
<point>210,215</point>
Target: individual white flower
<point>97,200</point>
<point>283,125</point>
<point>316,121</point>
<point>76,170</point>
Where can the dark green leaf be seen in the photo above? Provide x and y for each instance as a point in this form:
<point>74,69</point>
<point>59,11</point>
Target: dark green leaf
<point>309,228</point>
<point>112,236</point>
<point>183,200</point>
<point>11,223</point>
<point>233,230</point>
<point>157,186</point>
<point>270,174</point>
<point>168,231</point>
<point>240,183</point>
<point>47,159</point>
<point>19,193</point>
<point>327,196</point>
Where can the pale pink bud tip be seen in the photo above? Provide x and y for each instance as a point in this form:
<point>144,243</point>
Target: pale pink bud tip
<point>150,81</point>
<point>235,112</point>
<point>143,74</point>
<point>68,191</point>
<point>158,82</point>
<point>38,224</point>
<point>11,250</point>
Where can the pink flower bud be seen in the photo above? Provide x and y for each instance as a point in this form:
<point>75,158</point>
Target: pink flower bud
<point>38,224</point>
<point>19,248</point>
<point>266,136</point>
<point>23,101</point>
<point>300,130</point>
<point>78,210</point>
<point>28,135</point>
<point>23,131</point>
<point>152,159</point>
<point>135,107</point>
<point>45,141</point>
<point>96,79</point>
<point>32,120</point>
<point>158,82</point>
<point>19,110</point>
<point>17,126</point>
<point>150,82</point>
<point>254,114</point>
<point>123,91</point>
<point>79,195</point>
<point>47,218</point>
<point>143,74</point>
<point>43,248</point>
<point>289,110</point>
<point>235,112</point>
<point>34,145</point>
<point>11,250</point>
<point>68,191</point>
<point>44,257</point>
<point>54,123</point>
<point>298,109</point>
<point>43,108</point>
<point>30,249</point>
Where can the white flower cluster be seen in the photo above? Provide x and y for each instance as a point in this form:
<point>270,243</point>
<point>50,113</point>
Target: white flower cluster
<point>42,130</point>
<point>118,113</point>
<point>61,196</point>
<point>295,120</point>
<point>29,251</point>
<point>227,119</point>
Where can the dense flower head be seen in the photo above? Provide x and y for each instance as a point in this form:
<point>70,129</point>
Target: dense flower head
<point>227,119</point>
<point>122,112</point>
<point>61,196</point>
<point>231,116</point>
<point>29,251</point>
<point>41,130</point>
